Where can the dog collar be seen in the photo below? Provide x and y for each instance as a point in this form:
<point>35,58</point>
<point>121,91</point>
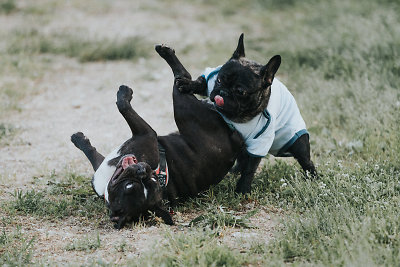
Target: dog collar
<point>162,168</point>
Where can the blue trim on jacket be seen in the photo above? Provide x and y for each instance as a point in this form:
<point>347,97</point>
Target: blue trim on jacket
<point>212,74</point>
<point>268,116</point>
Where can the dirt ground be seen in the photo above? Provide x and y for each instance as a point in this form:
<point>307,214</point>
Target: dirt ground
<point>72,96</point>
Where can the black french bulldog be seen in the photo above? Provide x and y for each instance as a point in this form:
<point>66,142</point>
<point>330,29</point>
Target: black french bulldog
<point>260,107</point>
<point>200,155</point>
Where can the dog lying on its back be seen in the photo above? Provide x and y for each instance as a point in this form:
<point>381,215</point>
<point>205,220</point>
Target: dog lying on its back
<point>260,107</point>
<point>126,177</point>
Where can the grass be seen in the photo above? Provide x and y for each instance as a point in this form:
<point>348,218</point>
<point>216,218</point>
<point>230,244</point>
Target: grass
<point>217,217</point>
<point>15,248</point>
<point>270,183</point>
<point>72,196</point>
<point>85,244</point>
<point>347,216</point>
<point>7,6</point>
<point>77,46</point>
<point>192,249</point>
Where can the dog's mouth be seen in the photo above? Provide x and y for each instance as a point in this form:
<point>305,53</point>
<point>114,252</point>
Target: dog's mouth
<point>123,163</point>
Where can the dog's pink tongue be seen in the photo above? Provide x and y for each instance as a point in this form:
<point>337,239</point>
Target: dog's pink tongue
<point>219,100</point>
<point>127,161</point>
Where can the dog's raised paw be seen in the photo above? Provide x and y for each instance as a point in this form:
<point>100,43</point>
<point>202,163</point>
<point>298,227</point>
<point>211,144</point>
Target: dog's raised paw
<point>80,140</point>
<point>183,85</point>
<point>124,93</point>
<point>164,50</point>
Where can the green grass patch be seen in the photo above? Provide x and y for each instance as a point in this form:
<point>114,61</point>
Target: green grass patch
<point>73,196</point>
<point>78,46</point>
<point>349,215</point>
<point>269,184</point>
<point>126,49</point>
<point>7,6</point>
<point>15,248</point>
<point>193,249</point>
<point>87,243</point>
<point>218,217</point>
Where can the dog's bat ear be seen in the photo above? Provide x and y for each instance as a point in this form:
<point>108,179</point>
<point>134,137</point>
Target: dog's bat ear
<point>239,52</point>
<point>268,71</point>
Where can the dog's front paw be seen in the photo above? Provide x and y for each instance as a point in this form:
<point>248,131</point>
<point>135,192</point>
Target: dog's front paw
<point>124,94</point>
<point>184,85</point>
<point>165,215</point>
<point>164,51</point>
<point>243,188</point>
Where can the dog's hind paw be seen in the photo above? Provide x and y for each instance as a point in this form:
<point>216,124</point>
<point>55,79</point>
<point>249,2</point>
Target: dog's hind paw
<point>80,140</point>
<point>124,94</point>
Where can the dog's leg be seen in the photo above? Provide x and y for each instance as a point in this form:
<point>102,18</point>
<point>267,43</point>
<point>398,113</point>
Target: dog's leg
<point>241,160</point>
<point>203,130</point>
<point>301,152</point>
<point>137,125</point>
<point>188,86</point>
<point>187,108</point>
<point>83,143</point>
<point>168,54</point>
<point>248,166</point>
<point>183,79</point>
<point>165,215</point>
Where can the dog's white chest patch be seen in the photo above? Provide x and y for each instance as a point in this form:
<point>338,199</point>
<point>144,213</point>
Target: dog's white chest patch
<point>103,174</point>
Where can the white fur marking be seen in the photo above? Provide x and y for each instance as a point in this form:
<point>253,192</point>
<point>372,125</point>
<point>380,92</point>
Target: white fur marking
<point>145,192</point>
<point>103,174</point>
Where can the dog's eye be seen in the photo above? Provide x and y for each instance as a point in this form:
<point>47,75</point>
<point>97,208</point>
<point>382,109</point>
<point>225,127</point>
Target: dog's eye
<point>128,186</point>
<point>218,80</point>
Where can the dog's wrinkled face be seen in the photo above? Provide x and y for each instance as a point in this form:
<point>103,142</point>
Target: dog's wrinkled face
<point>238,92</point>
<point>132,191</point>
<point>243,87</point>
